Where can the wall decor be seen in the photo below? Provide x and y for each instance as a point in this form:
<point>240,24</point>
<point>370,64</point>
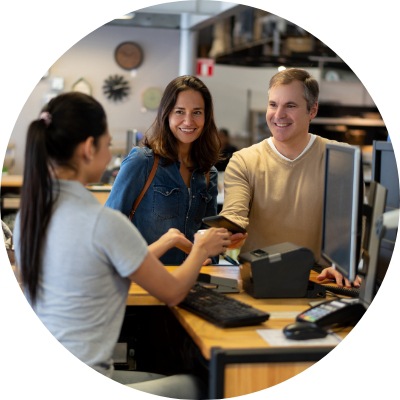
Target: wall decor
<point>83,86</point>
<point>151,98</point>
<point>129,55</point>
<point>116,88</point>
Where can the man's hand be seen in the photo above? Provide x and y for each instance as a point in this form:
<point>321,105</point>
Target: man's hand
<point>331,273</point>
<point>237,240</point>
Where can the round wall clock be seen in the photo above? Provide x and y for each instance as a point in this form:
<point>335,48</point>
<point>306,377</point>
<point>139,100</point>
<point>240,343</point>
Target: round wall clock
<point>152,97</point>
<point>129,55</point>
<point>116,87</point>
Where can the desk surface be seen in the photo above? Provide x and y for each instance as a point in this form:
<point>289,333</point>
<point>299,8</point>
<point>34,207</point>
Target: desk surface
<point>139,297</point>
<point>101,192</point>
<point>11,180</point>
<point>16,181</point>
<point>243,374</point>
<point>207,335</point>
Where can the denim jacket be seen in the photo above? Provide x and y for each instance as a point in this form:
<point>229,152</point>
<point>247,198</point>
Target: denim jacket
<point>167,203</point>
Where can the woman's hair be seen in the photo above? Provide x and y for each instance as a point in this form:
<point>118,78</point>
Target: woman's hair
<point>311,87</point>
<point>66,121</point>
<point>205,150</point>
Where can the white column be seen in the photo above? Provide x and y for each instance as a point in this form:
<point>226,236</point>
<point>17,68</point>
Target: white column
<point>188,47</point>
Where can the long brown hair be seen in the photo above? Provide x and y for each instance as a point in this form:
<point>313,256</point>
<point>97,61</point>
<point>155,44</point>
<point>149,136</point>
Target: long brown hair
<point>205,150</point>
<point>64,122</point>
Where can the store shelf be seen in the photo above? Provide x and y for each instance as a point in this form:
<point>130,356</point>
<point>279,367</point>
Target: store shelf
<point>361,122</point>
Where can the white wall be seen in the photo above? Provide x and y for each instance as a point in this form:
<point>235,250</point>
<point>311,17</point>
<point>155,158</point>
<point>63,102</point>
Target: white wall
<point>235,90</point>
<point>93,59</point>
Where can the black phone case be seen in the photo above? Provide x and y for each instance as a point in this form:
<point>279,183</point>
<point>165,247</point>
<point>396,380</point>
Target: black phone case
<point>218,221</point>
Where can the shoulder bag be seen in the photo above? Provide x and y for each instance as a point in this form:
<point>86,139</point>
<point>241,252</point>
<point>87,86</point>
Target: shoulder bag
<point>146,186</point>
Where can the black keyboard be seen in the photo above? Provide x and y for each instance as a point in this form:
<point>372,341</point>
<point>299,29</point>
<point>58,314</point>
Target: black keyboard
<point>343,291</point>
<point>220,309</point>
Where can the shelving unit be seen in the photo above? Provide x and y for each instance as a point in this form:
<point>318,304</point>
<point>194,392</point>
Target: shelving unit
<point>251,37</point>
<point>344,123</point>
<point>254,38</point>
<point>354,130</point>
<point>10,193</point>
<point>10,198</point>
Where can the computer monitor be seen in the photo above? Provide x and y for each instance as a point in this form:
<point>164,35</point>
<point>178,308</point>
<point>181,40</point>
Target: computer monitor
<point>383,197</point>
<point>384,171</point>
<point>351,233</point>
<point>369,262</point>
<point>342,209</point>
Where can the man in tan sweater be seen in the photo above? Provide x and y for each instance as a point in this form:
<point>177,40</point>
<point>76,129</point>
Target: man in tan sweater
<point>275,188</point>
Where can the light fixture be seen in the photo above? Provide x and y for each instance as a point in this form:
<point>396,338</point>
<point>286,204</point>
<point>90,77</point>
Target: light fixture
<point>130,15</point>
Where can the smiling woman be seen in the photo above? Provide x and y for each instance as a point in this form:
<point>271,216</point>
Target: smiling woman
<point>184,189</point>
<point>186,122</point>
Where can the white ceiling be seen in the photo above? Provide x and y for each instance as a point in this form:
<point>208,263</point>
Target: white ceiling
<point>169,15</point>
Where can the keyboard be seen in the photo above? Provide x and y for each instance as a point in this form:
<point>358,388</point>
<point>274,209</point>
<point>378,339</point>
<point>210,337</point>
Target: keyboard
<point>221,310</point>
<point>343,291</point>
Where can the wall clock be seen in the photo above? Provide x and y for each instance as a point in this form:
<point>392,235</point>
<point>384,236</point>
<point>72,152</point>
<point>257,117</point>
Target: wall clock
<point>116,88</point>
<point>151,98</point>
<point>129,55</point>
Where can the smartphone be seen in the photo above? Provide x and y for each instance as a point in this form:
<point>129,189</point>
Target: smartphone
<point>218,221</point>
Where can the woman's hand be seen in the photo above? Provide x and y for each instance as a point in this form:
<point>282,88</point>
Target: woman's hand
<point>177,239</point>
<point>332,274</point>
<point>213,240</point>
<point>172,238</point>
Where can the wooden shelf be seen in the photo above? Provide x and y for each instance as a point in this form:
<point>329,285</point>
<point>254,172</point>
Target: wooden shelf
<point>8,181</point>
<point>354,130</point>
<point>353,121</point>
<point>10,193</point>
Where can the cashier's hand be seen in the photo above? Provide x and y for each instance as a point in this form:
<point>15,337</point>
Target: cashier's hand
<point>237,240</point>
<point>331,273</point>
<point>175,238</point>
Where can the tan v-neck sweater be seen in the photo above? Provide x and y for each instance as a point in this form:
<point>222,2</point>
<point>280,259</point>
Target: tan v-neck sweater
<point>276,200</point>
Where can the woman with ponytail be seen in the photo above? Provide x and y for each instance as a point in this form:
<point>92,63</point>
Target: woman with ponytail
<point>77,258</point>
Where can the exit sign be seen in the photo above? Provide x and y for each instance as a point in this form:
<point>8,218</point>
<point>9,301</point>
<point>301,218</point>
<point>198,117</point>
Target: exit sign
<point>205,66</point>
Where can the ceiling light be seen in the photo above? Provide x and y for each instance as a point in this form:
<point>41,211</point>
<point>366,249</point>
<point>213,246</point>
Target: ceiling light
<point>130,15</point>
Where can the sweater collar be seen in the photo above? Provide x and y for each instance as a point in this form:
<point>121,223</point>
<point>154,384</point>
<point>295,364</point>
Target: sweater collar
<point>309,144</point>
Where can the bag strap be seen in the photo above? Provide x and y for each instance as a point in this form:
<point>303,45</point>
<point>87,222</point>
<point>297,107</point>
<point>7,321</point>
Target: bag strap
<point>146,186</point>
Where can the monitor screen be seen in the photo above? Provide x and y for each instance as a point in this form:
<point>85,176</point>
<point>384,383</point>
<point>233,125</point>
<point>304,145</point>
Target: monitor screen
<point>370,265</point>
<point>342,209</point>
<point>384,171</point>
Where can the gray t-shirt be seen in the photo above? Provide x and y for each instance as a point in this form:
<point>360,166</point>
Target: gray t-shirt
<point>90,250</point>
